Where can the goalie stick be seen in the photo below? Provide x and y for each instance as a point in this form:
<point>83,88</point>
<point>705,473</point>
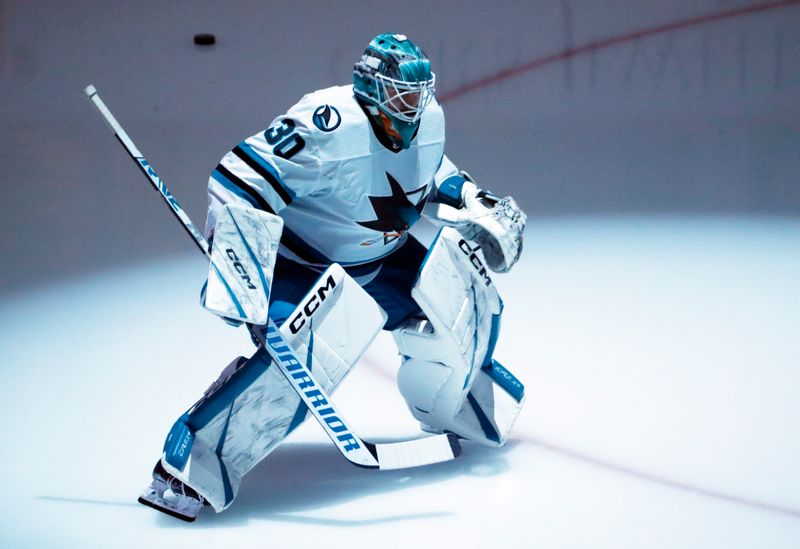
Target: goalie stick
<point>389,455</point>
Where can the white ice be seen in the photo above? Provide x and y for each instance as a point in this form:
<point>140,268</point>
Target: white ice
<point>661,359</point>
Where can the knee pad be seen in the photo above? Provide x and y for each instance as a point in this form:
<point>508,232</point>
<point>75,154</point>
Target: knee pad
<point>433,391</point>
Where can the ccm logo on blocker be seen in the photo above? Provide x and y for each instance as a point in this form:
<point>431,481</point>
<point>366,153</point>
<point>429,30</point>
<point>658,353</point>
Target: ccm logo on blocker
<point>240,268</point>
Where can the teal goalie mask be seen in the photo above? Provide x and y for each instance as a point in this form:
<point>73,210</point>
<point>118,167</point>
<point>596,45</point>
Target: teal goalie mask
<point>394,75</point>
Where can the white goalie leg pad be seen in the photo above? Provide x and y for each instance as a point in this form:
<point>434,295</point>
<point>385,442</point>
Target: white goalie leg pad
<point>448,354</point>
<point>252,409</point>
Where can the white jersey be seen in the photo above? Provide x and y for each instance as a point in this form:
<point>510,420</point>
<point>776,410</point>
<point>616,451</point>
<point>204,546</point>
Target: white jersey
<point>344,196</point>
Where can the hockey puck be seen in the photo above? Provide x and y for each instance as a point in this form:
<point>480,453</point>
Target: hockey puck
<point>204,39</point>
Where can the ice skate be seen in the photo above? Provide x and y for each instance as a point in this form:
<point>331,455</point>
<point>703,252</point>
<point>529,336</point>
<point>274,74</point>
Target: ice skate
<point>169,495</point>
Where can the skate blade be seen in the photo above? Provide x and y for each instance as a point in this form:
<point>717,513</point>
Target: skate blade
<point>166,510</point>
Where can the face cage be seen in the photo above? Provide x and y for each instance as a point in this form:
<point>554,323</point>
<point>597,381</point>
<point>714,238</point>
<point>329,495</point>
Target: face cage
<point>405,111</point>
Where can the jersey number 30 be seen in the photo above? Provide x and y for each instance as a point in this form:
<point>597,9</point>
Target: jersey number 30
<point>285,141</point>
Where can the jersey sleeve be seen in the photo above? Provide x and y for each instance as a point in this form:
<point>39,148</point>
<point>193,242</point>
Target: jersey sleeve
<point>269,169</point>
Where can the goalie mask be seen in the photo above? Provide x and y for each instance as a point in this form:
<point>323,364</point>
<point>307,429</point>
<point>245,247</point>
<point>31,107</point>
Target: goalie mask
<point>394,77</point>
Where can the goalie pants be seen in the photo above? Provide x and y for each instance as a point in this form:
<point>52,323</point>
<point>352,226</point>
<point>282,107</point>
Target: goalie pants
<point>389,282</point>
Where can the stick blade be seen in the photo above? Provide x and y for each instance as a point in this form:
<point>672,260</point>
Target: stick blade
<point>418,452</point>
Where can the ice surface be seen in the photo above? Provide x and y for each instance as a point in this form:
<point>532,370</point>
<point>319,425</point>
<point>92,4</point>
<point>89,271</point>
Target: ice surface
<point>661,361</point>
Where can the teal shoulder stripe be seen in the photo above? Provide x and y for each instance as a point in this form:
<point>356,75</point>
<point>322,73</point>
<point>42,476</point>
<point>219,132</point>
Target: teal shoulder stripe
<point>229,185</point>
<point>237,186</point>
<point>265,170</point>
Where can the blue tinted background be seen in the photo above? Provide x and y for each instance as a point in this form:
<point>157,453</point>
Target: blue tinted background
<point>698,118</point>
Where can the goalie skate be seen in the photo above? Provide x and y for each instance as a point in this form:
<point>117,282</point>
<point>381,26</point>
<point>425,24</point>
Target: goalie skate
<point>169,495</point>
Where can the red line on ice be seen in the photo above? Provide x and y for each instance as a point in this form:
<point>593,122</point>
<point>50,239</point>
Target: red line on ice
<point>511,72</point>
<point>650,477</point>
<point>381,370</point>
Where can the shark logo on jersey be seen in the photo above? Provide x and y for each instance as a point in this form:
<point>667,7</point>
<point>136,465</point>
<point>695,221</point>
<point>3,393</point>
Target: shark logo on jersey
<point>326,118</point>
<point>396,213</point>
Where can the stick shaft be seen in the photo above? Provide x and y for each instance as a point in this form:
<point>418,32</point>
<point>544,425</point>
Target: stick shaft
<point>292,366</point>
<point>148,171</point>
